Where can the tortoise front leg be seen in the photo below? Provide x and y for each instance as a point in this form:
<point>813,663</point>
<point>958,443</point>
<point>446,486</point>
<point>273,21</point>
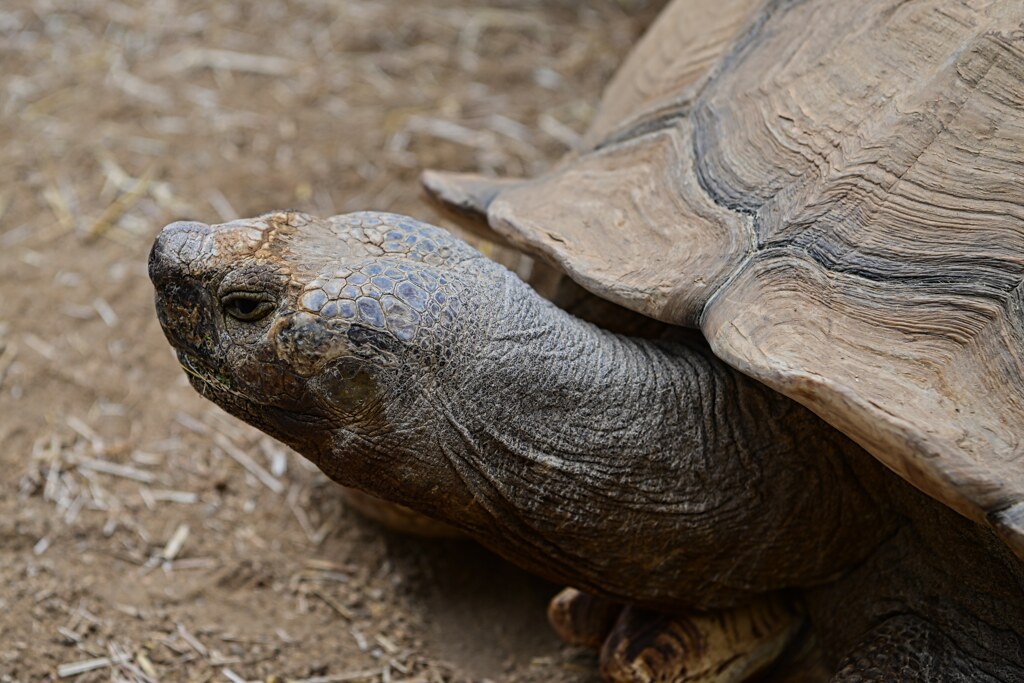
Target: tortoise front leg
<point>644,646</point>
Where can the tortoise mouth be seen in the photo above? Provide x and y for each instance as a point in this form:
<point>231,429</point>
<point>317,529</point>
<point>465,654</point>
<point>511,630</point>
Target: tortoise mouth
<point>215,387</point>
<point>206,381</point>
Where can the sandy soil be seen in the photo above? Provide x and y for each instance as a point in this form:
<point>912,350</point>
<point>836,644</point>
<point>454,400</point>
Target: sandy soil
<point>144,534</point>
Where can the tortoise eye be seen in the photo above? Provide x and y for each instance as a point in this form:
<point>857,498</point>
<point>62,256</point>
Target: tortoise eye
<point>247,306</point>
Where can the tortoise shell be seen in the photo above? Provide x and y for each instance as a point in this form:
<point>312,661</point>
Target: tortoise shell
<point>833,192</point>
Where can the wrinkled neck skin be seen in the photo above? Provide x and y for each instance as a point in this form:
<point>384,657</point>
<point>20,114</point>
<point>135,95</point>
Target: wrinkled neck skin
<point>641,470</point>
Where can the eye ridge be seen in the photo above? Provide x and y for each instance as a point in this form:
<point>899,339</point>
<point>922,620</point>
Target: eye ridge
<point>247,306</point>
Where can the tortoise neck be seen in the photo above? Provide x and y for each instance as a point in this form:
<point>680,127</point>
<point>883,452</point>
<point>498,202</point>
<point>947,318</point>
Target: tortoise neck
<point>626,466</point>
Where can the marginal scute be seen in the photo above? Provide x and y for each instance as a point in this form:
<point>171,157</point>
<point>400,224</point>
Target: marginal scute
<point>666,71</point>
<point>1009,524</point>
<point>631,224</point>
<point>464,197</point>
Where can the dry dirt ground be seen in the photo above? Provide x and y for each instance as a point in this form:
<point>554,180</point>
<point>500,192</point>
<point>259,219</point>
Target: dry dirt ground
<point>144,534</point>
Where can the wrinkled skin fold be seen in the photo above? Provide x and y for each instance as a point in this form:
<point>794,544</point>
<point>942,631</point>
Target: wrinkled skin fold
<point>405,364</point>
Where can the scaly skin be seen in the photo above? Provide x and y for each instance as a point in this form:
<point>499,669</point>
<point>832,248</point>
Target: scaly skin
<point>405,364</point>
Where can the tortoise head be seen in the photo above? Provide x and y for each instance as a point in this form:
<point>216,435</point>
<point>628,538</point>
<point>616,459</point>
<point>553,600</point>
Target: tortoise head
<point>324,333</point>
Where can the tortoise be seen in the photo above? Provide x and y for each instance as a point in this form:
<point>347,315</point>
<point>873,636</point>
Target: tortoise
<point>826,480</point>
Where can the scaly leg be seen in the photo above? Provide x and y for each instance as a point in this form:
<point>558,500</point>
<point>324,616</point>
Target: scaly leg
<point>908,649</point>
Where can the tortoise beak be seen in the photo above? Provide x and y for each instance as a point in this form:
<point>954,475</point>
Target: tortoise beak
<point>182,304</point>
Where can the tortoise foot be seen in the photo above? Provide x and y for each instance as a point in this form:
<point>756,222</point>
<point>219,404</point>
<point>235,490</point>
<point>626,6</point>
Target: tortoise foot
<point>643,646</point>
<point>582,619</point>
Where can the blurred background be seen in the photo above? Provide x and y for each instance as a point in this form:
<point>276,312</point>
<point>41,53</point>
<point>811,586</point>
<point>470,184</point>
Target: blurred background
<point>144,534</point>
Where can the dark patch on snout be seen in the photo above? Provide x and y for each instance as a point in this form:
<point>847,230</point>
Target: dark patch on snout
<point>184,312</point>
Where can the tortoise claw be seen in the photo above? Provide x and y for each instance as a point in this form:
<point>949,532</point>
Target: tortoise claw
<point>582,619</point>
